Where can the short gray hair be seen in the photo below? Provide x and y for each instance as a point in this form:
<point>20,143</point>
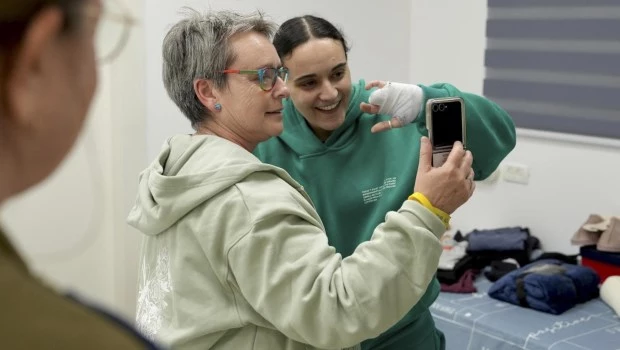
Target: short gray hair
<point>197,47</point>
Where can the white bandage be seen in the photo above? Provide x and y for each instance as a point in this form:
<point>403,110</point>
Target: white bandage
<point>403,101</point>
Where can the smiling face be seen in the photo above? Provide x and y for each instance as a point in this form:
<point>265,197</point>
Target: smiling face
<point>251,113</point>
<point>320,83</point>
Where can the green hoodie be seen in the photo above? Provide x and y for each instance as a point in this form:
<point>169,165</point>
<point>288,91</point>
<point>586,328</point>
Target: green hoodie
<point>236,257</point>
<point>355,177</point>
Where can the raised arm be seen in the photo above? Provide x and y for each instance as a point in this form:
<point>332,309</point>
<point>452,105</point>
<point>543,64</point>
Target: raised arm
<point>284,267</point>
<point>490,129</point>
<point>290,275</point>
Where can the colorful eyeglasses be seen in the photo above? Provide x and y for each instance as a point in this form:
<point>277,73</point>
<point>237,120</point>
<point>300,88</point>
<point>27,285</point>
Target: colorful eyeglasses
<point>266,76</point>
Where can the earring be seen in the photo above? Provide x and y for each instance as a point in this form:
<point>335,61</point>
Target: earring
<point>218,107</point>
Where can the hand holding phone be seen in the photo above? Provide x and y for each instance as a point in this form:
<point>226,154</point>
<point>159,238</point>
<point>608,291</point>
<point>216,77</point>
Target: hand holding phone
<point>446,187</point>
<point>445,121</point>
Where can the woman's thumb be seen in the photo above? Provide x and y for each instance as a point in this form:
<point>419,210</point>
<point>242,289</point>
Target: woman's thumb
<point>426,154</point>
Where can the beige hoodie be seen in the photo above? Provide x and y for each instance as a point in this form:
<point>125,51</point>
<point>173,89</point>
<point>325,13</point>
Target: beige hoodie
<point>235,257</point>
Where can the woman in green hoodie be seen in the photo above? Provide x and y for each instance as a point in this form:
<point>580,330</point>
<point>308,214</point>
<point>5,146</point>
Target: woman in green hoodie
<point>354,175</point>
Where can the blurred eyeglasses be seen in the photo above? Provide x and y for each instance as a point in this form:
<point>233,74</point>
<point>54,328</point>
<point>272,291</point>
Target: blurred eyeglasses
<point>267,77</point>
<point>113,30</point>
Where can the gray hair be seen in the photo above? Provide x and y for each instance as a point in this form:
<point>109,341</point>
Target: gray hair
<point>197,47</point>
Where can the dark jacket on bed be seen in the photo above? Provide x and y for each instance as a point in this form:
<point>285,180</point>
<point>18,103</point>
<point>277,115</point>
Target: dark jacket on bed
<point>548,285</point>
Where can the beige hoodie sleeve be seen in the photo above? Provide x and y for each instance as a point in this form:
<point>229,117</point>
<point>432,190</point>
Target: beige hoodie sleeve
<point>289,274</point>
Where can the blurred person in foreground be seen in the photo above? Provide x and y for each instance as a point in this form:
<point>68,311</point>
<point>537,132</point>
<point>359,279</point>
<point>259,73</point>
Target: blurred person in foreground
<point>47,81</point>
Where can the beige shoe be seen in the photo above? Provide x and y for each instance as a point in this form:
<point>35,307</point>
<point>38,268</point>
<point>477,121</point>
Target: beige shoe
<point>586,235</point>
<point>610,239</point>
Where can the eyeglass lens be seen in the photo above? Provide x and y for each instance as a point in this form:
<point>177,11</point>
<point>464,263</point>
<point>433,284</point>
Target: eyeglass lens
<point>268,77</point>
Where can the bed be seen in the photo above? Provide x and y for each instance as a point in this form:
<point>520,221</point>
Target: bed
<point>476,321</point>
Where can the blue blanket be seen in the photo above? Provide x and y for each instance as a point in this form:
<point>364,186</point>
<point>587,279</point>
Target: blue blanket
<point>547,285</point>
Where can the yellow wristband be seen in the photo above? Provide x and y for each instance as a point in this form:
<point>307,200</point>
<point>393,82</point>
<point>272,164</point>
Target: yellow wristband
<point>442,215</point>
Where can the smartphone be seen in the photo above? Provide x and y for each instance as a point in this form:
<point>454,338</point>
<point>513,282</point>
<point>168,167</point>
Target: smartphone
<point>445,120</point>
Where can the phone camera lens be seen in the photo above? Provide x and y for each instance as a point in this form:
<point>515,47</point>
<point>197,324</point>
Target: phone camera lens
<point>440,107</point>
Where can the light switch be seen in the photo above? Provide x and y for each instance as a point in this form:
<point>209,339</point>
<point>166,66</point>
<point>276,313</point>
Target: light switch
<point>515,172</point>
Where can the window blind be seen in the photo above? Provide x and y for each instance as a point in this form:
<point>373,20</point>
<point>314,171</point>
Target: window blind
<point>554,65</point>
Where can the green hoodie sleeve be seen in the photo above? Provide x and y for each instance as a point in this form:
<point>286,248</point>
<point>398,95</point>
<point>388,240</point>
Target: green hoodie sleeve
<point>288,273</point>
<point>490,130</point>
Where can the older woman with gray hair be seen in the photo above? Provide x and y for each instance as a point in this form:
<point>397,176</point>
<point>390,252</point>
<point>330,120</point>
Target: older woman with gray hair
<point>235,255</point>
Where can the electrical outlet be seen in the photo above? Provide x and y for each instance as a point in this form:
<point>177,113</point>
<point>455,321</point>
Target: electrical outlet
<point>518,173</point>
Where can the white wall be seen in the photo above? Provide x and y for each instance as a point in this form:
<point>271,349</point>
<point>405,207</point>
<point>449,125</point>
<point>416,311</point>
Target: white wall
<point>571,176</point>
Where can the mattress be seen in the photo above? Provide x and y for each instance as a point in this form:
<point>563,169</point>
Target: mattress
<point>476,321</point>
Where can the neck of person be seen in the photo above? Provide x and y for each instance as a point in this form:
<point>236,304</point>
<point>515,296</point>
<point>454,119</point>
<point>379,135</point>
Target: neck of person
<point>211,127</point>
<point>18,171</point>
<point>4,193</point>
<point>321,134</point>
<point>7,180</point>
<point>8,177</point>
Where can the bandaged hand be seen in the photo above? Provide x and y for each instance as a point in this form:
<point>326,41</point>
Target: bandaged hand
<point>401,101</point>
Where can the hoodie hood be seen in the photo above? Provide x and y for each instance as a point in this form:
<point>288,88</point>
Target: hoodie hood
<point>188,171</point>
<point>300,138</point>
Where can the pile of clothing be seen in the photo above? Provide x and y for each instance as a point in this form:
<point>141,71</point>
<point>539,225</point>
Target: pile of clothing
<point>599,230</point>
<point>495,252</point>
<point>548,285</point>
<point>456,273</point>
<point>599,241</point>
<point>525,275</point>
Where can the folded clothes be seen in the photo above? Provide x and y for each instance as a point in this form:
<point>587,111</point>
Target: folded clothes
<point>501,239</point>
<point>547,285</point>
<point>452,276</point>
<point>598,255</point>
<point>452,254</point>
<point>484,257</point>
<point>464,285</point>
